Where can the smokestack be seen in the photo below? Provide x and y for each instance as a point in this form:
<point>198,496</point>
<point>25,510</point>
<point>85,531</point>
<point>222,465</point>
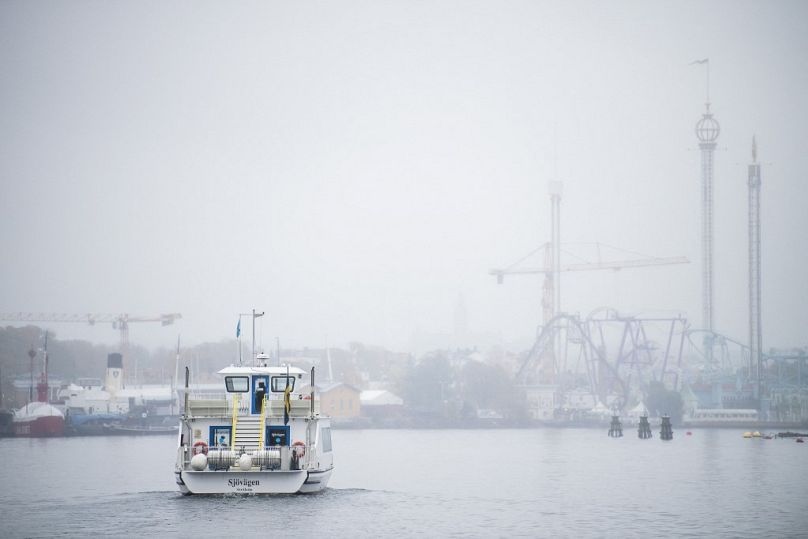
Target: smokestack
<point>113,381</point>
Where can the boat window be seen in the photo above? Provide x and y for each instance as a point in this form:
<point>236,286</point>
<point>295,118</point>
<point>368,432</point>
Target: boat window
<point>326,434</point>
<point>237,384</point>
<point>279,383</point>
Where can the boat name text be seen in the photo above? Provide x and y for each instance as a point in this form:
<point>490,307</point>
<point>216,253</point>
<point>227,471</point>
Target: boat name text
<point>243,482</point>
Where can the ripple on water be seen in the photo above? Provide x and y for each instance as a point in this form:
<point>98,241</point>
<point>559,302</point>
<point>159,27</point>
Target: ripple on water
<point>559,483</point>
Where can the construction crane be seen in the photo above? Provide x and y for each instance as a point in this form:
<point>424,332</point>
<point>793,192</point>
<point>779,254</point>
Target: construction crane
<point>548,309</point>
<point>119,321</point>
<point>551,298</point>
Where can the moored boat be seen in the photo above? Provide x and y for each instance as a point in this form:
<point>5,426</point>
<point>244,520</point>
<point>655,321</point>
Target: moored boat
<point>38,419</point>
<point>260,435</point>
<point>142,430</point>
<point>6,423</point>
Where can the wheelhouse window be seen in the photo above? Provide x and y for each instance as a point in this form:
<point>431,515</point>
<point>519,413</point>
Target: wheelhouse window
<point>279,383</point>
<point>237,384</point>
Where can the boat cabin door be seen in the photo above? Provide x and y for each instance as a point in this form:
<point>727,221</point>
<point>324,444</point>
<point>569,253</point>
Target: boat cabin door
<point>260,388</point>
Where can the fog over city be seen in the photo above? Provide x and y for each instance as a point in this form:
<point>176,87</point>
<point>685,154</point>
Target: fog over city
<point>356,169</point>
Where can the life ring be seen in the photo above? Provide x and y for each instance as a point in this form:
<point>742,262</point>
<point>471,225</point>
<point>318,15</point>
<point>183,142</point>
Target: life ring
<point>299,448</point>
<point>203,448</point>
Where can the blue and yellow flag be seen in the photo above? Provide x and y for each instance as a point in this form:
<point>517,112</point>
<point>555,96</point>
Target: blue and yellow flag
<point>287,402</point>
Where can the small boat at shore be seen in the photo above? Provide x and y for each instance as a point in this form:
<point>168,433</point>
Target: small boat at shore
<point>263,434</point>
<point>142,430</point>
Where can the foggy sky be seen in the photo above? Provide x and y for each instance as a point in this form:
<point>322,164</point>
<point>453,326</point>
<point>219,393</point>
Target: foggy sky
<point>353,168</point>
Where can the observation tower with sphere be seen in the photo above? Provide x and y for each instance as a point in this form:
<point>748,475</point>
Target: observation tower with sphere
<point>707,130</point>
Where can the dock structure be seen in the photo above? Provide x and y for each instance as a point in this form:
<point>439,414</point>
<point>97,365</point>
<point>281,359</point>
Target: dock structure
<point>644,431</point>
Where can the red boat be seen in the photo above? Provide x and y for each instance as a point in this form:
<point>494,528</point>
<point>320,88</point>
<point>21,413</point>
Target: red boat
<point>38,419</point>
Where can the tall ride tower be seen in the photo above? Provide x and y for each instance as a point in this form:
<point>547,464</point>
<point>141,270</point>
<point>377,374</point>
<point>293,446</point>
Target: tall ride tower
<point>551,295</point>
<point>707,130</point>
<point>755,327</point>
<point>555,189</point>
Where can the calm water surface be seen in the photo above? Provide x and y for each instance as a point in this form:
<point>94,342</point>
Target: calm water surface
<point>539,483</point>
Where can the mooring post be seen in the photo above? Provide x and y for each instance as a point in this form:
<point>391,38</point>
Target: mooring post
<point>666,432</point>
<point>616,428</point>
<point>644,432</point>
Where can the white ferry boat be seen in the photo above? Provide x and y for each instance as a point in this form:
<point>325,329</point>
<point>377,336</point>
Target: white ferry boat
<point>263,434</point>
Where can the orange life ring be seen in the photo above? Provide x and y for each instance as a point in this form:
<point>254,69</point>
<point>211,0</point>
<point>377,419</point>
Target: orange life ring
<point>299,448</point>
<point>203,448</point>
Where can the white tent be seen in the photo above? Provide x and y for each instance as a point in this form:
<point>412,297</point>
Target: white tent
<point>379,397</point>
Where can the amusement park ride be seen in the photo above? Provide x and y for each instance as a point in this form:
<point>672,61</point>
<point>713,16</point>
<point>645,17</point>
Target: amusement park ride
<point>608,353</point>
<point>614,356</point>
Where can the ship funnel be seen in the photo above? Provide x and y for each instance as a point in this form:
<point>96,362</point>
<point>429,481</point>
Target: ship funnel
<point>113,381</point>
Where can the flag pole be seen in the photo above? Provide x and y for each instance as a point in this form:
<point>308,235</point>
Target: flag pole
<point>254,316</point>
<point>175,380</point>
<point>703,62</point>
<point>287,404</point>
<point>238,336</point>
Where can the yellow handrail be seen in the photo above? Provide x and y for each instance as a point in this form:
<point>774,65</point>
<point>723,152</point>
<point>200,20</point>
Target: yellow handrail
<point>235,421</point>
<point>262,423</point>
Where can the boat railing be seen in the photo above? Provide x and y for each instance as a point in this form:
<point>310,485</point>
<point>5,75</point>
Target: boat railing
<point>221,405</point>
<point>183,456</point>
<point>299,407</point>
<point>241,403</point>
<point>309,460</point>
<point>210,404</point>
<point>207,405</point>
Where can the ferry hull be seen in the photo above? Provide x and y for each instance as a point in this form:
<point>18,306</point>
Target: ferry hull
<point>316,481</point>
<point>275,482</point>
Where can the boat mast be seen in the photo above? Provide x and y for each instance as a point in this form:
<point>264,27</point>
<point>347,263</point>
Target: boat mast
<point>312,393</point>
<point>254,316</point>
<point>32,355</point>
<point>310,424</point>
<point>187,381</point>
<point>47,399</point>
<point>330,370</point>
<point>176,376</point>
